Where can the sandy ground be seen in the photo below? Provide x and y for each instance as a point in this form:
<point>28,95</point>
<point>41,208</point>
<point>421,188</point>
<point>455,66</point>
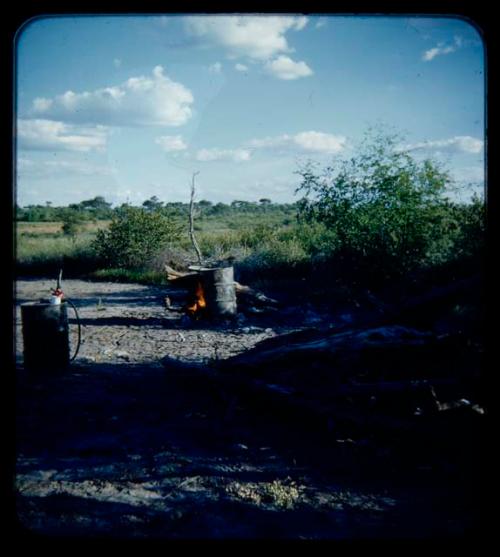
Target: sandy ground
<point>129,323</point>
<point>118,446</point>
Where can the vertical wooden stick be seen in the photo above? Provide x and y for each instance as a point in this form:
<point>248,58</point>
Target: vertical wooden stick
<point>191,221</point>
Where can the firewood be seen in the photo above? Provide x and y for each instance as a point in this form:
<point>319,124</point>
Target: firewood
<point>245,292</point>
<point>173,275</point>
<point>181,279</point>
<point>454,404</point>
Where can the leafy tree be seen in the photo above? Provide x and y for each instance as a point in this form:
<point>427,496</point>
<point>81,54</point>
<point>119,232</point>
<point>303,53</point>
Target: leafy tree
<point>20,213</point>
<point>220,209</point>
<point>152,204</point>
<point>470,241</point>
<point>96,208</point>
<point>381,204</point>
<point>96,204</point>
<point>243,206</point>
<point>71,220</point>
<point>39,213</point>
<point>134,237</point>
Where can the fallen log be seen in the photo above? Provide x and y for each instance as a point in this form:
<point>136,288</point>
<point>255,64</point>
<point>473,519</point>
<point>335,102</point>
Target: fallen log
<point>181,279</point>
<point>326,347</point>
<point>258,298</point>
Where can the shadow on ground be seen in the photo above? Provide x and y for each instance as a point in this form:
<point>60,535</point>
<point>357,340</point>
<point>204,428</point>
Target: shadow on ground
<point>135,451</point>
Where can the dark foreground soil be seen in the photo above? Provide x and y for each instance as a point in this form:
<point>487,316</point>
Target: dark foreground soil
<point>120,446</point>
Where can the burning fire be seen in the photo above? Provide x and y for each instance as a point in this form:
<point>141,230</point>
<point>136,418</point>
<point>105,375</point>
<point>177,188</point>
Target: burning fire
<point>200,302</point>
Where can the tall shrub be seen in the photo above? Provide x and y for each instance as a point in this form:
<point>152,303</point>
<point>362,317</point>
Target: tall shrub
<point>380,204</point>
<point>134,237</point>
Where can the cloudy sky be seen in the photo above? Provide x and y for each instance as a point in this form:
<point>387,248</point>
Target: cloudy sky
<point>129,107</point>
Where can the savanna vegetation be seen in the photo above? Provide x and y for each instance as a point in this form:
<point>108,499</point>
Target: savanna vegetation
<point>376,217</point>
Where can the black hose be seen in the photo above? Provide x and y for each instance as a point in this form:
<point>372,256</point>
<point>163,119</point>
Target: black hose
<point>79,329</point>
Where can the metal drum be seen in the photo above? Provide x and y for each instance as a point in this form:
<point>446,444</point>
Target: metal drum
<point>45,336</point>
<point>219,291</point>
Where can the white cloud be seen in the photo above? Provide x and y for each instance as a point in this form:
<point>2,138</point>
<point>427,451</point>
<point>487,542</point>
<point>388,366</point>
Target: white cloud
<point>50,169</point>
<point>470,174</point>
<point>241,67</point>
<point>41,105</point>
<point>457,144</point>
<point>57,136</point>
<point>171,143</point>
<point>117,62</point>
<point>257,37</point>
<point>235,155</point>
<point>284,67</point>
<point>309,141</point>
<point>320,142</point>
<point>155,100</point>
<point>441,49</point>
<point>215,68</point>
<point>321,22</point>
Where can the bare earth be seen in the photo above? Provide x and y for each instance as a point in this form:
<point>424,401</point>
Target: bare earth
<point>129,323</point>
<point>119,447</point>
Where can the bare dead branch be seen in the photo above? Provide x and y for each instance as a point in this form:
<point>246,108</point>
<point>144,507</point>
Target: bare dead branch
<point>191,220</point>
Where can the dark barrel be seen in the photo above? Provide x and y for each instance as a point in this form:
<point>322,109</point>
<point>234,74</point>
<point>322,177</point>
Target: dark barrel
<point>45,336</point>
<point>219,291</point>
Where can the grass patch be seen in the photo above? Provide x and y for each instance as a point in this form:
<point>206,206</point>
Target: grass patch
<point>126,275</point>
<point>263,247</point>
<point>44,256</point>
<point>55,228</point>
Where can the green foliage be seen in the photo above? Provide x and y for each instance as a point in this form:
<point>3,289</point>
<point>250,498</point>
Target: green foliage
<point>381,213</point>
<point>152,204</point>
<point>471,235</point>
<point>71,220</point>
<point>130,275</point>
<point>382,205</point>
<point>44,255</point>
<point>258,235</point>
<point>134,237</point>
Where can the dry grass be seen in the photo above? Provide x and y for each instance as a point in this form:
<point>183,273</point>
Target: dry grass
<point>56,227</point>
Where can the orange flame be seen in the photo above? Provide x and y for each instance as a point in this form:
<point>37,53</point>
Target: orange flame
<point>200,301</point>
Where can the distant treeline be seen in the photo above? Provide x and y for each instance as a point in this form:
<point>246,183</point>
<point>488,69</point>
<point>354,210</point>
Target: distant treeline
<point>100,209</point>
<point>380,215</point>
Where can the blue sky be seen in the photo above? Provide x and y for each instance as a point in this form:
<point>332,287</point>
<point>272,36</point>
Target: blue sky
<point>128,107</point>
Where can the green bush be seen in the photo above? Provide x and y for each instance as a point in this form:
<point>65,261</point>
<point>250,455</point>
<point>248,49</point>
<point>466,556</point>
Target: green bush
<point>382,207</point>
<point>471,236</point>
<point>71,221</point>
<point>258,235</point>
<point>134,237</point>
